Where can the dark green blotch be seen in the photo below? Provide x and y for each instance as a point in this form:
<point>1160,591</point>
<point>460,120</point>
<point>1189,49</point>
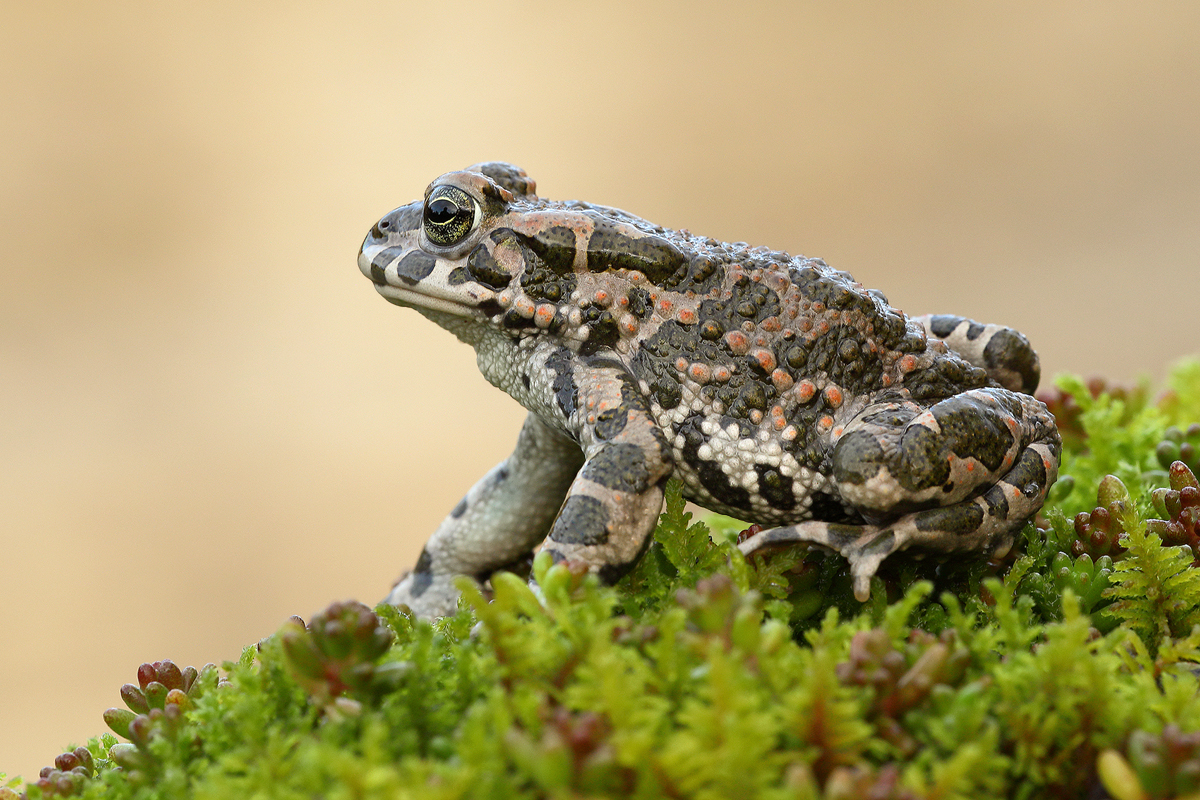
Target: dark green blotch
<point>655,359</point>
<point>639,302</point>
<point>997,503</point>
<point>513,319</point>
<point>563,385</point>
<point>1010,350</point>
<point>491,307</point>
<point>610,422</point>
<point>923,459</point>
<point>415,267</point>
<point>913,341</point>
<point>971,428</point>
<point>775,487</point>
<point>583,520</point>
<point>1028,474</point>
<point>842,535</point>
<point>942,325</point>
<point>611,573</point>
<point>884,542</point>
<point>631,398</point>
<point>1010,403</point>
<point>753,395</point>
<point>748,299</point>
<point>857,457</point>
<point>458,276</point>
<point>554,247</point>
<point>960,518</point>
<point>538,280</point>
<point>620,467</point>
<point>827,508</point>
<point>485,269</point>
<point>602,333</point>
<point>653,256</point>
<point>703,271</point>
<point>607,361</point>
<point>711,477</point>
<point>382,259</point>
<point>890,328</point>
<point>422,574</point>
<point>668,393</point>
<point>409,218</point>
<point>402,220</point>
<point>807,448</point>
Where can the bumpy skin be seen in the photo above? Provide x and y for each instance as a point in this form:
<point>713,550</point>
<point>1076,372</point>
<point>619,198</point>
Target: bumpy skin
<point>777,389</point>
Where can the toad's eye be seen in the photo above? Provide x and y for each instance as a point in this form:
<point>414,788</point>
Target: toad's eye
<point>449,215</point>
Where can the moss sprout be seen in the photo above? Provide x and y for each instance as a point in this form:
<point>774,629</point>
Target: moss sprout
<point>1179,505</point>
<point>1178,445</point>
<point>1155,766</point>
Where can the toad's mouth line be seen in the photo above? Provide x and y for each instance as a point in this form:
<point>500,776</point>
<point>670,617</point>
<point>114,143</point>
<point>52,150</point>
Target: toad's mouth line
<point>402,296</point>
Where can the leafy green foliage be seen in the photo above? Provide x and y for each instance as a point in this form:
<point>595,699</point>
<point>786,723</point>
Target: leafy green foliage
<point>1068,665</point>
<point>1120,434</point>
<point>1157,591</point>
<point>681,553</point>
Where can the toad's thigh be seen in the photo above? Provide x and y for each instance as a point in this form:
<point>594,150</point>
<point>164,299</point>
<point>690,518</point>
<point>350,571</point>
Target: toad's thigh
<point>893,459</point>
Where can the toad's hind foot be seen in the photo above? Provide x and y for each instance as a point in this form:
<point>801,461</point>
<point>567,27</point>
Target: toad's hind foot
<point>864,546</point>
<point>987,522</point>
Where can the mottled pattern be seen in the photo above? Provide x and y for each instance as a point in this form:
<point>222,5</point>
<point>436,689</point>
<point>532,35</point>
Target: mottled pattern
<point>583,520</point>
<point>777,389</point>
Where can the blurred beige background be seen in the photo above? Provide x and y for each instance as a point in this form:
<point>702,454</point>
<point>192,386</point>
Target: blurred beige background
<point>209,420</point>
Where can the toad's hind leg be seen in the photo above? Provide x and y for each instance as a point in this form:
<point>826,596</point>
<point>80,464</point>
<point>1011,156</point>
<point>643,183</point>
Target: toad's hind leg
<point>1004,353</point>
<point>970,471</point>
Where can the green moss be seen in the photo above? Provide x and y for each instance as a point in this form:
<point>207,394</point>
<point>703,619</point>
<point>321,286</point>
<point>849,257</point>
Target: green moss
<point>1068,665</point>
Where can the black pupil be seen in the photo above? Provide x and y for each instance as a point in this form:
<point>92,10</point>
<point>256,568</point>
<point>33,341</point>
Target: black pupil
<point>442,211</point>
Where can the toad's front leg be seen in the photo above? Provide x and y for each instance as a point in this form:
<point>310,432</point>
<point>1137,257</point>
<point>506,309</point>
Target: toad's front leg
<point>614,502</point>
<point>501,520</point>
